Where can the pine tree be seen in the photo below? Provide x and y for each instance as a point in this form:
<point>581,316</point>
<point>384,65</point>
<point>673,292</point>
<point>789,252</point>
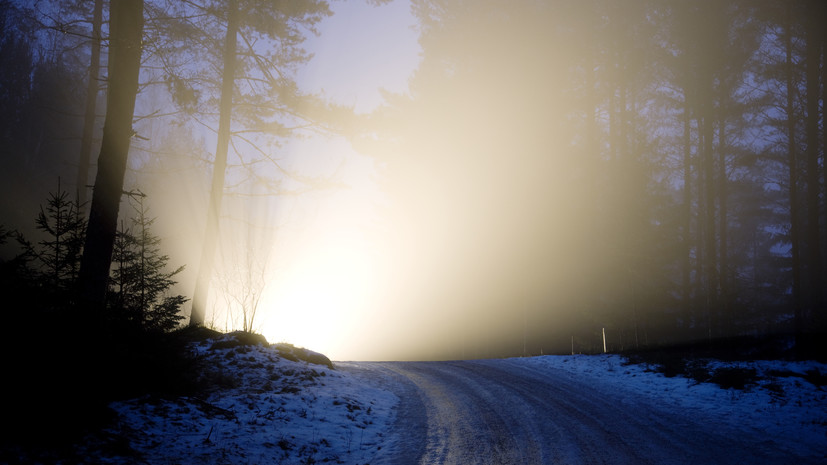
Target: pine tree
<point>60,251</point>
<point>140,277</point>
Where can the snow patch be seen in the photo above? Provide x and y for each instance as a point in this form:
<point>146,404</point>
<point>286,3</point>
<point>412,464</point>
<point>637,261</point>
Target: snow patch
<point>265,408</point>
<point>782,404</point>
<point>262,408</point>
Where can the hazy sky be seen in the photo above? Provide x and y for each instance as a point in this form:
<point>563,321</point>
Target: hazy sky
<point>472,222</point>
<point>329,254</point>
<point>360,50</point>
<point>453,251</point>
<point>513,188</point>
<point>449,245</point>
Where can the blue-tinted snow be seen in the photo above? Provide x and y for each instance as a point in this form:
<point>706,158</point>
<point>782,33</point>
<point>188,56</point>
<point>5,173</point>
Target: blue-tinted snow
<point>272,410</point>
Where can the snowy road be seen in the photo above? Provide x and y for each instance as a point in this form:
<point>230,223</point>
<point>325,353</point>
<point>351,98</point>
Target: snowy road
<point>510,412</point>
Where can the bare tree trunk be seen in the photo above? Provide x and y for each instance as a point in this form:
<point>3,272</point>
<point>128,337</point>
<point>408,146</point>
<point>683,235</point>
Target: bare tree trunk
<point>710,256</point>
<point>793,179</point>
<point>687,215</point>
<point>811,133</point>
<point>726,317</point>
<point>822,15</point>
<point>126,30</point>
<point>91,103</point>
<point>202,284</point>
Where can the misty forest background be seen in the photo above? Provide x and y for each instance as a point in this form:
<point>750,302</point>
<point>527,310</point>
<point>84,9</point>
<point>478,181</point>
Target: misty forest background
<point>655,168</point>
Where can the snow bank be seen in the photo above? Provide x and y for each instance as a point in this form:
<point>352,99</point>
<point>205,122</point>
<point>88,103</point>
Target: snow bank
<point>263,408</point>
<point>782,404</point>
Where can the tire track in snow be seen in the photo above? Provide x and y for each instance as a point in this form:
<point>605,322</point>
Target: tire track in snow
<point>448,400</point>
<point>503,412</point>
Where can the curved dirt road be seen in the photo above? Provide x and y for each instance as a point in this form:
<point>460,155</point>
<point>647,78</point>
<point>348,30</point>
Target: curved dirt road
<point>503,412</point>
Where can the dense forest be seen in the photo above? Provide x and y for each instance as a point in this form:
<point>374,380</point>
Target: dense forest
<point>177,85</point>
<point>658,164</point>
<point>652,167</point>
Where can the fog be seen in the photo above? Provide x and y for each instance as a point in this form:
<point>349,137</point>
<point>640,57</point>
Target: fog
<point>504,179</point>
<point>454,230</point>
<point>486,225</point>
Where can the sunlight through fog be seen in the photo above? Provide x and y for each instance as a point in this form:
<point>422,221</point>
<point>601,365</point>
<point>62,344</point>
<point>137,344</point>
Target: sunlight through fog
<point>409,179</point>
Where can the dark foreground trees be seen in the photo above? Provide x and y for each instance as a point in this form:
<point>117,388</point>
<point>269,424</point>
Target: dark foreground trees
<point>126,36</point>
<point>62,369</point>
<point>65,354</point>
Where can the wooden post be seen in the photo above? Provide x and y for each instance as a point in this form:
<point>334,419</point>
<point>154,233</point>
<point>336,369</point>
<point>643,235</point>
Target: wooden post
<point>604,340</point>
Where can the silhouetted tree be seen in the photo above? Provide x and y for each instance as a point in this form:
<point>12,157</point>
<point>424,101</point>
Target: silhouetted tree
<point>205,269</point>
<point>676,130</point>
<point>16,67</point>
<point>90,108</point>
<point>256,92</point>
<point>65,230</point>
<point>813,29</point>
<point>140,278</point>
<point>51,264</point>
<point>39,122</point>
<point>126,26</point>
<point>787,73</point>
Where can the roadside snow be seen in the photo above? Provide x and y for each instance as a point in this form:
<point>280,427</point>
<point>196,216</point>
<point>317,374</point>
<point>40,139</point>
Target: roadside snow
<point>266,408</point>
<point>782,405</point>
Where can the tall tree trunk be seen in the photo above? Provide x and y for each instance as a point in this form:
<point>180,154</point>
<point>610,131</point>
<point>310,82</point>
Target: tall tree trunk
<point>126,30</point>
<point>686,220</point>
<point>205,270</point>
<point>822,15</point>
<point>792,163</point>
<point>710,255</point>
<point>811,133</point>
<point>591,110</point>
<point>91,103</point>
<point>726,317</point>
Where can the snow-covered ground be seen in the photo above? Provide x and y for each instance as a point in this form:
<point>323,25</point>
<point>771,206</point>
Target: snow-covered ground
<point>781,404</point>
<point>266,408</point>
